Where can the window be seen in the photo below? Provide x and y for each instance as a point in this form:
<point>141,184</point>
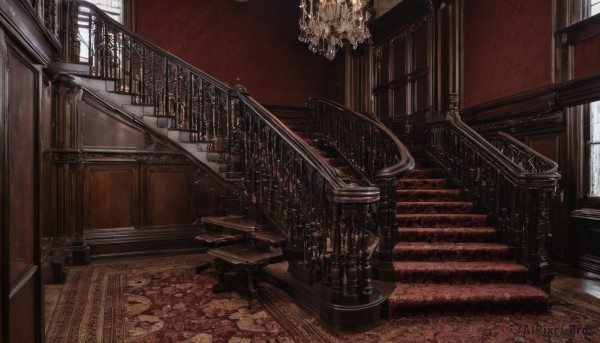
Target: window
<point>594,150</point>
<point>114,8</point>
<point>594,7</point>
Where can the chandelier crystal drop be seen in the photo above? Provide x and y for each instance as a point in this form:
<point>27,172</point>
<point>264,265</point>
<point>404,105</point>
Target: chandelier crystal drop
<point>326,24</point>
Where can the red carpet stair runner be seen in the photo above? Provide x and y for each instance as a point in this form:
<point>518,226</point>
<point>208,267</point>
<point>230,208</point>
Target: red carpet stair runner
<point>446,258</point>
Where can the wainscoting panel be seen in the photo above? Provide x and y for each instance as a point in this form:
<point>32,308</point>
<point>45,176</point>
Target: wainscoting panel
<point>97,121</point>
<point>169,198</point>
<point>110,196</point>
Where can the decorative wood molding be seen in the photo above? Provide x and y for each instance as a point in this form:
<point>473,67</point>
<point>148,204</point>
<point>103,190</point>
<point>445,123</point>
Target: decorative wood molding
<point>592,214</point>
<point>20,21</point>
<point>70,156</point>
<point>580,90</point>
<point>542,100</point>
<point>394,22</point>
<point>579,31</point>
<point>538,101</point>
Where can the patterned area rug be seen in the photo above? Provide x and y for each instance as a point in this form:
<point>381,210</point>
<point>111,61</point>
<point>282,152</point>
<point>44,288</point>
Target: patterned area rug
<point>164,300</point>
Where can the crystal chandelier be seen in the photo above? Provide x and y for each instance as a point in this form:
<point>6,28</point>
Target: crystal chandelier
<point>326,24</point>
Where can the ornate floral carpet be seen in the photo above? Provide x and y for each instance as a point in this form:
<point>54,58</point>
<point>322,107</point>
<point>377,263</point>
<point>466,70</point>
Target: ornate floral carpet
<point>164,300</point>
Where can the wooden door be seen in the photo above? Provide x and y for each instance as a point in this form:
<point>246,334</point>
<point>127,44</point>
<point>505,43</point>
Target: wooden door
<point>20,294</point>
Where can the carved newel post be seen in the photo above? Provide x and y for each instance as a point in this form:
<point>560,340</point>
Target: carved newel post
<point>453,113</point>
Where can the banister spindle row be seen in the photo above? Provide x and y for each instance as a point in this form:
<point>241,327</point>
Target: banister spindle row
<point>514,182</point>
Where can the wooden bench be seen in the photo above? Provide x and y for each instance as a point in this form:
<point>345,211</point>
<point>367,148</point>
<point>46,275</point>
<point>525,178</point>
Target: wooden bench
<point>237,264</point>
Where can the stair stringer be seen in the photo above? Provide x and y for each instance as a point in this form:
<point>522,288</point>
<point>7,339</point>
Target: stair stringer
<point>144,114</point>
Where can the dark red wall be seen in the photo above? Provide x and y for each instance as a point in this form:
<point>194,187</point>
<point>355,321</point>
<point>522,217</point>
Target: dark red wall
<point>507,48</point>
<point>256,41</point>
<point>586,57</point>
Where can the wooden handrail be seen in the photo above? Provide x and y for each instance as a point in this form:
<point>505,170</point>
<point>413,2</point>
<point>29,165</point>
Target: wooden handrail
<point>405,161</point>
<point>376,153</point>
<point>515,183</point>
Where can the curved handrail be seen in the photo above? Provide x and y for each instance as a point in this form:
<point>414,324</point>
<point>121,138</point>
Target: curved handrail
<point>341,191</point>
<point>540,163</point>
<point>517,173</point>
<point>405,161</point>
<point>513,182</point>
<point>378,155</point>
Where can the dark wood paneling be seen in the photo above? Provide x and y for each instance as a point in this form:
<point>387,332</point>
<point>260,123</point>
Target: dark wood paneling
<point>110,196</point>
<point>21,170</point>
<point>587,224</point>
<point>169,195</point>
<point>47,209</point>
<point>399,46</point>
<point>19,291</point>
<point>420,43</point>
<point>399,99</point>
<point>23,314</point>
<point>96,122</point>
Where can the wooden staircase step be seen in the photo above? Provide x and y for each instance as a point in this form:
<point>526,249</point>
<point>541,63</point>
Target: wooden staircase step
<point>269,237</point>
<point>447,234</point>
<point>469,298</point>
<point>428,194</point>
<point>421,184</point>
<point>441,220</point>
<point>245,255</point>
<point>430,207</point>
<point>470,272</point>
<point>239,223</point>
<point>424,251</point>
<point>216,238</point>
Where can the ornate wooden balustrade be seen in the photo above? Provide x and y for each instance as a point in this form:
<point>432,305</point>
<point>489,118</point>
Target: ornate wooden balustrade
<point>514,182</point>
<point>376,153</point>
<point>326,220</point>
<point>196,101</point>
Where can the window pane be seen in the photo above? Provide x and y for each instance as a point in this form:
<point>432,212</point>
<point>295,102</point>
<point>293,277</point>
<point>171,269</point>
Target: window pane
<point>594,161</point>
<point>114,8</point>
<point>595,170</point>
<point>594,7</point>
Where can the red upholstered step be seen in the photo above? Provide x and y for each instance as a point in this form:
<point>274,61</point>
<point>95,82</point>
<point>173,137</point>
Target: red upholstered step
<point>474,272</point>
<point>409,297</point>
<point>424,251</point>
<point>441,220</point>
<point>445,234</point>
<point>421,184</point>
<point>434,207</point>
<point>320,152</point>
<point>427,195</point>
<point>421,173</point>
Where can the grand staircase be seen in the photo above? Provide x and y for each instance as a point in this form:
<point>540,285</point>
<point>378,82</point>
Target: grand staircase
<point>340,198</point>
